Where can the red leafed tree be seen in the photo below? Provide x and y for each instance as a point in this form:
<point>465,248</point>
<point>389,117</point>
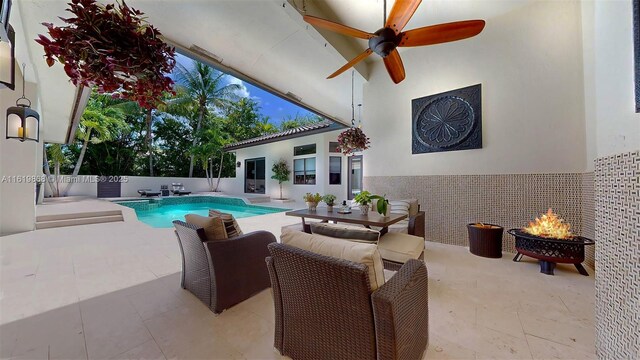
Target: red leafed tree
<point>112,48</point>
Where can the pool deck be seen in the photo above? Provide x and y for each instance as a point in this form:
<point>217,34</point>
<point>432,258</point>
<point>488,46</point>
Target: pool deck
<point>112,290</point>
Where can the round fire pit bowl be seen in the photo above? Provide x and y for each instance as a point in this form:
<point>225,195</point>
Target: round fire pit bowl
<point>551,251</point>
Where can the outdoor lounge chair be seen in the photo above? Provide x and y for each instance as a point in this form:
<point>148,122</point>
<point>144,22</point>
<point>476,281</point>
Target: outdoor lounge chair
<point>148,192</point>
<point>178,189</point>
<point>325,309</point>
<point>222,273</point>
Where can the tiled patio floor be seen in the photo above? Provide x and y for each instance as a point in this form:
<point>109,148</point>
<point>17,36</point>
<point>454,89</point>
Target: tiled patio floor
<point>112,291</point>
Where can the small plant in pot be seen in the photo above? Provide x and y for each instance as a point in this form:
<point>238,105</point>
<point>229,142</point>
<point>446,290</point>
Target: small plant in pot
<point>330,200</point>
<point>363,199</point>
<point>312,200</point>
<point>382,205</point>
<point>281,172</point>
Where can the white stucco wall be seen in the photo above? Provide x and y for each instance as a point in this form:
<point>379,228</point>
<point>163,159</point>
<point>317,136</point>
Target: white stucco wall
<point>529,62</point>
<point>19,162</point>
<point>273,152</point>
<point>612,124</point>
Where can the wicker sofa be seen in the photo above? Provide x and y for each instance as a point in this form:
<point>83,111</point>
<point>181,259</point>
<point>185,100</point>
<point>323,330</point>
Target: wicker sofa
<point>325,308</point>
<point>222,273</point>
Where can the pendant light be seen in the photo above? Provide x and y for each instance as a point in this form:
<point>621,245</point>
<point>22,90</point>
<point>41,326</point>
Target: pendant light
<point>22,121</point>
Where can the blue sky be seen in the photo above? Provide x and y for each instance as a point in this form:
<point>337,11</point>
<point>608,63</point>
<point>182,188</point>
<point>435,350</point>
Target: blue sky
<point>272,106</point>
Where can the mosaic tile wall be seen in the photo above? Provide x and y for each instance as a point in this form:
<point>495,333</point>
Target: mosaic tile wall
<point>588,221</point>
<point>452,201</point>
<point>617,200</point>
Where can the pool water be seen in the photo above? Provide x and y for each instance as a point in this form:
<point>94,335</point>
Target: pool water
<point>164,215</point>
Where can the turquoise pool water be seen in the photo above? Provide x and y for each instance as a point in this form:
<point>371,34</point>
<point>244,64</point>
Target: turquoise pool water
<point>160,213</point>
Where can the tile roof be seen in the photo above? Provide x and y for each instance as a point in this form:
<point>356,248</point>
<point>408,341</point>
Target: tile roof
<point>306,130</point>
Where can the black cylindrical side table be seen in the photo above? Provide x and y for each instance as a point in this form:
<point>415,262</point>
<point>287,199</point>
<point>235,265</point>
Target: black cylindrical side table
<point>485,239</point>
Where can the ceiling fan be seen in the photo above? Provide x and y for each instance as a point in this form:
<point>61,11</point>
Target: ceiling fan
<point>385,41</point>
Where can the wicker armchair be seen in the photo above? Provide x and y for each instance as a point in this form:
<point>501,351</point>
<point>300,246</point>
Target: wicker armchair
<point>416,225</point>
<point>222,273</point>
<point>325,310</point>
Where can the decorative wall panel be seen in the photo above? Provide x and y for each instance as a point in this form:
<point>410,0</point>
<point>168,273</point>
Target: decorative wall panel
<point>452,201</point>
<point>617,228</point>
<point>447,121</point>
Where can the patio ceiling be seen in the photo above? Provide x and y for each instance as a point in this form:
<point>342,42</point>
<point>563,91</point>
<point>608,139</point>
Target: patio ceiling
<point>265,40</point>
<point>367,15</point>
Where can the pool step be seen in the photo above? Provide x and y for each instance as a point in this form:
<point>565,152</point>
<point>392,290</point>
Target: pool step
<point>73,219</point>
<point>259,199</point>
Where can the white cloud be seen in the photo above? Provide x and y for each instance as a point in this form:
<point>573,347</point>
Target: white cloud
<point>243,91</point>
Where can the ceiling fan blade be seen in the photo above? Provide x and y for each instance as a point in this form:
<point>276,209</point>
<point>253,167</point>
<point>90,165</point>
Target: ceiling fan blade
<point>442,33</point>
<point>401,13</point>
<point>394,66</point>
<point>351,63</point>
<point>335,27</point>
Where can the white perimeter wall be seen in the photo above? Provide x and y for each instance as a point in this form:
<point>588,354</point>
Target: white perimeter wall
<point>613,126</point>
<point>88,187</point>
<point>273,152</point>
<point>529,62</point>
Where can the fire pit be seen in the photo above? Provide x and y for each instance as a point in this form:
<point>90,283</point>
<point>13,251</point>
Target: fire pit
<point>549,240</point>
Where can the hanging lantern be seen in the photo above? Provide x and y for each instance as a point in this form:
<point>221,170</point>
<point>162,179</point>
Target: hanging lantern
<point>23,123</point>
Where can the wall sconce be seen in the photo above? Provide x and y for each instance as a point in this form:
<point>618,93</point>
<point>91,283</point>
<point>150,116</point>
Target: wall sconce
<point>8,58</point>
<point>23,123</point>
<point>238,164</point>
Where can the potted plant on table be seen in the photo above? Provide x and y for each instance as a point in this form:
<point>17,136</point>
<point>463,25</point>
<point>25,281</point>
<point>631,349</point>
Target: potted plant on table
<point>312,200</point>
<point>382,205</point>
<point>330,200</point>
<point>363,199</point>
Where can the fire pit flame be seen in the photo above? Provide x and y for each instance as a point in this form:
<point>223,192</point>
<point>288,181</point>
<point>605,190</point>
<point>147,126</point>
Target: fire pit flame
<point>549,225</point>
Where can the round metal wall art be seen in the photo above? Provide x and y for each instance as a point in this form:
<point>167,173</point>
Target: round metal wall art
<point>444,122</point>
<point>447,121</point>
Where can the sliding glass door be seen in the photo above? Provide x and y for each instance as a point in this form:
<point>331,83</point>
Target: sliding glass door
<point>355,176</point>
<point>254,176</point>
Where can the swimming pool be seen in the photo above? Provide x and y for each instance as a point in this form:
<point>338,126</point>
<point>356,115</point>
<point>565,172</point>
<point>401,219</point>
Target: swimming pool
<point>161,212</point>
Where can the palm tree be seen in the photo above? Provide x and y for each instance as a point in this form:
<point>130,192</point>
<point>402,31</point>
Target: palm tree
<point>57,156</point>
<point>205,90</point>
<point>101,121</point>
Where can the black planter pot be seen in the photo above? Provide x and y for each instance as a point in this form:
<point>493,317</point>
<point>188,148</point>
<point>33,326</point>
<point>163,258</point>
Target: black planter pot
<point>485,242</point>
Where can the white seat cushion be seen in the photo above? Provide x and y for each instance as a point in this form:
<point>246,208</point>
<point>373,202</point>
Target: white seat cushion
<point>399,247</point>
<point>401,226</point>
<point>358,252</point>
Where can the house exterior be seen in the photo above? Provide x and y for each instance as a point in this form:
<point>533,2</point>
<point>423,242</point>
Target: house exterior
<point>310,151</point>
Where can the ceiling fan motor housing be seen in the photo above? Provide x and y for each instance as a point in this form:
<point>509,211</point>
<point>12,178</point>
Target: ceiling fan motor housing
<point>384,41</point>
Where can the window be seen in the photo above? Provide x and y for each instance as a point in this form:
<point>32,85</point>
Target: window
<point>335,170</point>
<point>304,150</point>
<point>304,171</point>
<point>333,147</point>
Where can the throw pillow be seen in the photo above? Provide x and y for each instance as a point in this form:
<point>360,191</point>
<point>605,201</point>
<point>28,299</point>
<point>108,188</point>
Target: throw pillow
<point>230,223</point>
<point>214,228</point>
